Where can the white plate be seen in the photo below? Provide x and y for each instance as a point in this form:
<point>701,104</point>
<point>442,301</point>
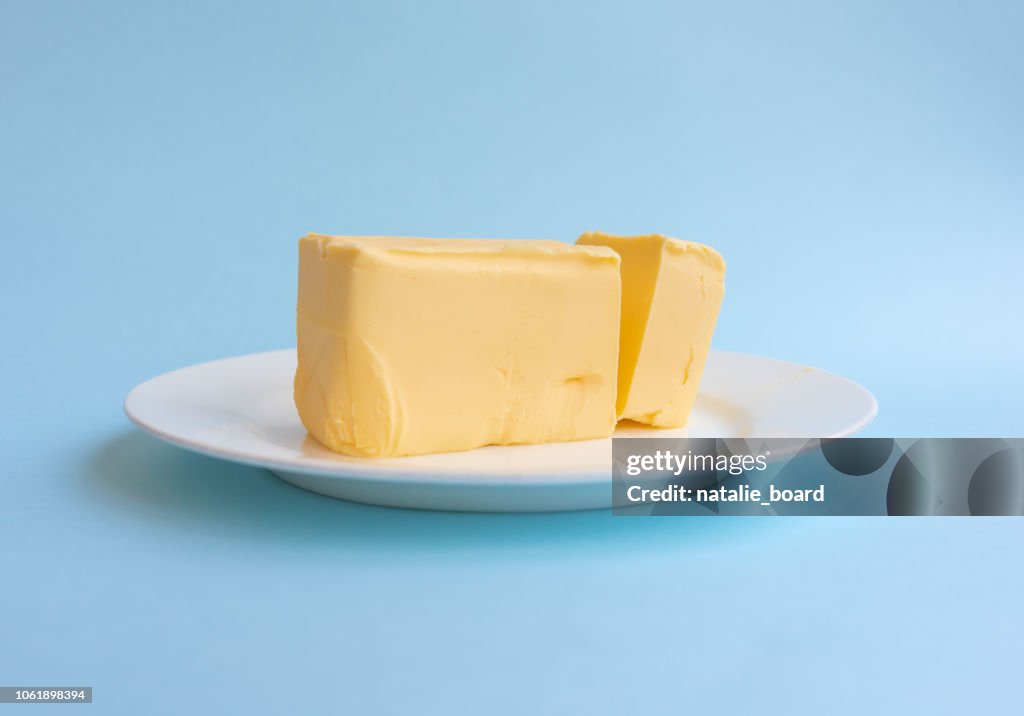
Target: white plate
<point>241,409</point>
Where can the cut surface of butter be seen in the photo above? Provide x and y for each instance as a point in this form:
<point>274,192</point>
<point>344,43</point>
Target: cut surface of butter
<point>409,346</point>
<point>671,294</point>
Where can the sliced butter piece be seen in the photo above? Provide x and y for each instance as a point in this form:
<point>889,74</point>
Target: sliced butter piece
<point>409,346</point>
<point>671,293</point>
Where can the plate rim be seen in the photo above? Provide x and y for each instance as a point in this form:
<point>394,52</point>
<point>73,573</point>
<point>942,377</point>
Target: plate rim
<point>422,476</point>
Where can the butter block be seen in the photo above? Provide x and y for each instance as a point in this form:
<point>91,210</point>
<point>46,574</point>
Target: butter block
<point>671,294</point>
<point>409,346</point>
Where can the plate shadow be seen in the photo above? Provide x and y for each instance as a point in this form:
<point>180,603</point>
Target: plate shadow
<point>154,481</point>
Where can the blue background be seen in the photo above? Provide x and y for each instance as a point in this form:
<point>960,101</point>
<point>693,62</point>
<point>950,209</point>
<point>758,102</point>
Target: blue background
<point>859,164</point>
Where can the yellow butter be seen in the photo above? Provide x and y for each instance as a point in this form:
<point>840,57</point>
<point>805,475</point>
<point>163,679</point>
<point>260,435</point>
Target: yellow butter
<point>409,346</point>
<point>671,294</point>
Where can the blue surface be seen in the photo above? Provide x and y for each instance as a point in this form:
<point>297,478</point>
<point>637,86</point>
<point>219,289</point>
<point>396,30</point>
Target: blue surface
<point>860,165</point>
